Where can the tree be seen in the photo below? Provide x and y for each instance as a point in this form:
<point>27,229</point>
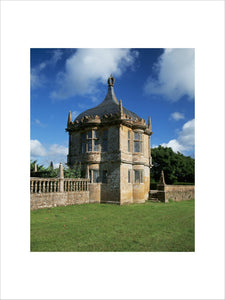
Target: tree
<point>177,167</point>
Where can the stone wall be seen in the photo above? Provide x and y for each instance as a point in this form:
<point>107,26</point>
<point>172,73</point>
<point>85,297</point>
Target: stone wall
<point>179,192</point>
<point>43,200</point>
<point>174,192</point>
<point>94,192</point>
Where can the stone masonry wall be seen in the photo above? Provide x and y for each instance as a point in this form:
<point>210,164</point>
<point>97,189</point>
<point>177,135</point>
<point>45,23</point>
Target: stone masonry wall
<point>133,192</point>
<point>175,192</point>
<point>43,200</point>
<point>179,192</point>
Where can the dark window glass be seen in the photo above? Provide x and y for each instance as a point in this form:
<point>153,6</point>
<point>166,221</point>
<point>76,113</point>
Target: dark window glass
<point>129,176</point>
<point>95,175</point>
<point>138,142</point>
<point>83,137</point>
<point>136,146</point>
<point>96,145</point>
<point>141,176</point>
<point>83,147</point>
<point>136,176</point>
<point>128,141</point>
<point>89,145</point>
<point>136,136</point>
<point>95,134</point>
<point>89,134</point>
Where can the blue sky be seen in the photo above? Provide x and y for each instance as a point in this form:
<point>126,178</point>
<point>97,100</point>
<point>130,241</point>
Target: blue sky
<point>151,82</point>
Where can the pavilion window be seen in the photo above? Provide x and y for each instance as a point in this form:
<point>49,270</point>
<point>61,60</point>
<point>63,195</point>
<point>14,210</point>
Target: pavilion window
<point>128,141</point>
<point>138,142</point>
<point>138,176</point>
<point>90,141</point>
<point>95,140</point>
<point>94,176</point>
<point>129,176</point>
<point>105,141</point>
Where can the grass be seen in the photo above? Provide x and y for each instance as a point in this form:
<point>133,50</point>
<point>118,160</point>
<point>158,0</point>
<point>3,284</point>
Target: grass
<point>105,227</point>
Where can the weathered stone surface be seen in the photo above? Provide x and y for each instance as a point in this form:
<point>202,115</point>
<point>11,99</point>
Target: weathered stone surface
<point>43,200</point>
<point>173,192</point>
<point>179,192</point>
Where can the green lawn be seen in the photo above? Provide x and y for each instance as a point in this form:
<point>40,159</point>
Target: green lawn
<point>107,227</point>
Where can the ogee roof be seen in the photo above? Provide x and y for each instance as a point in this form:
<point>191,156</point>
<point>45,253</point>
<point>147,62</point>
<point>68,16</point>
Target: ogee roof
<point>109,105</point>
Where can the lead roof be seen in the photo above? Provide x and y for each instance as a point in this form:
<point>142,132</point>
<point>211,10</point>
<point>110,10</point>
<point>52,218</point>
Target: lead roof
<point>109,105</point>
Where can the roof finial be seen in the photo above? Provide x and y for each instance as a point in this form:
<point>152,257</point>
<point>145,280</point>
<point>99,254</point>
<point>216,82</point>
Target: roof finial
<point>111,80</point>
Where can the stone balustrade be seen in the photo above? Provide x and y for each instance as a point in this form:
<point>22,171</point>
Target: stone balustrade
<point>52,185</point>
<point>44,185</point>
<point>73,184</point>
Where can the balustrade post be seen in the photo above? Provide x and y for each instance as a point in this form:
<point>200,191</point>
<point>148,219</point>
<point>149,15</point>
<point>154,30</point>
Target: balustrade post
<point>35,186</point>
<point>44,183</point>
<point>31,186</point>
<point>61,178</point>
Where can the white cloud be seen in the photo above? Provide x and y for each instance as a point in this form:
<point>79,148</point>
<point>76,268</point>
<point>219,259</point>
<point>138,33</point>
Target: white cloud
<point>175,75</point>
<point>57,150</point>
<point>57,55</point>
<point>186,138</point>
<point>36,79</point>
<point>56,153</point>
<point>176,116</point>
<point>37,149</point>
<point>87,67</point>
<point>174,144</point>
<point>187,135</point>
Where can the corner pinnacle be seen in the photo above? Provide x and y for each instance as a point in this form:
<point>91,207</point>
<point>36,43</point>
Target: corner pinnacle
<point>69,119</point>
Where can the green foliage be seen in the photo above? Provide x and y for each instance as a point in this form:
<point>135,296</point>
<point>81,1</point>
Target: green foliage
<point>176,166</point>
<point>104,227</point>
<point>50,172</point>
<point>73,172</point>
<point>39,168</point>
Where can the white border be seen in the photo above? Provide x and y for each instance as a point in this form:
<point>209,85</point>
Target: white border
<point>195,24</point>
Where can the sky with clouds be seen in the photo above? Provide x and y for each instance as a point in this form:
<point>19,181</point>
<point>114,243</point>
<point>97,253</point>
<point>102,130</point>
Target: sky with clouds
<point>151,82</point>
